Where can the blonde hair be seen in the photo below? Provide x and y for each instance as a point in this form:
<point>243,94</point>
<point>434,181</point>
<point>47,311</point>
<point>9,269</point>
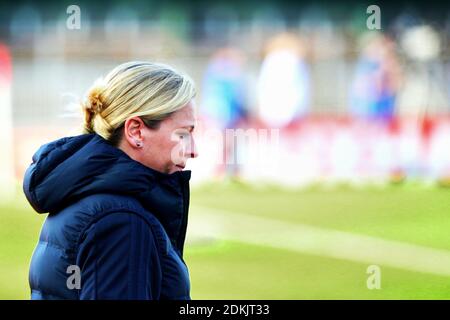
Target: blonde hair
<point>148,90</point>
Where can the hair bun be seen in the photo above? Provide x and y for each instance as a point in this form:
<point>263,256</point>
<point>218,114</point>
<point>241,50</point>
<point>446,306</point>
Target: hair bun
<point>94,101</point>
<point>93,105</point>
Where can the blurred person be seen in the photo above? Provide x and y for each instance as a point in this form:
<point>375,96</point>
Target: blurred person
<point>6,130</point>
<point>284,82</point>
<point>377,80</point>
<point>374,97</point>
<point>422,98</point>
<point>224,101</point>
<point>117,195</point>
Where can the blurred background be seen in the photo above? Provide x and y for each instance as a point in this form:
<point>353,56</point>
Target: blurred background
<point>323,133</point>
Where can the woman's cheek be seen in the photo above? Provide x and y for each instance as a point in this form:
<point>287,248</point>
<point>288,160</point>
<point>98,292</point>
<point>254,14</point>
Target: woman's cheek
<point>177,152</point>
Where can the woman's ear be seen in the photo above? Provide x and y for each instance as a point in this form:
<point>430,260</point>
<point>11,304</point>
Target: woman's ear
<point>133,132</point>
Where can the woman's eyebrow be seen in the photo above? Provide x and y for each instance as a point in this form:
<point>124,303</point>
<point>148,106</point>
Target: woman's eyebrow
<point>191,128</point>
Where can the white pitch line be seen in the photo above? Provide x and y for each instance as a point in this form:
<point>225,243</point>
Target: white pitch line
<point>213,223</point>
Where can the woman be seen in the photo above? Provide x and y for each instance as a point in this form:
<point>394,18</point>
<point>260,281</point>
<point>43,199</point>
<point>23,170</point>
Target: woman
<point>117,195</point>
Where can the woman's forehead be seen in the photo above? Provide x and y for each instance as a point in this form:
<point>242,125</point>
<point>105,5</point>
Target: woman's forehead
<point>185,117</point>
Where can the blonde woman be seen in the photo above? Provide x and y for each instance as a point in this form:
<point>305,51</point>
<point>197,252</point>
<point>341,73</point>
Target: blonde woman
<point>117,195</point>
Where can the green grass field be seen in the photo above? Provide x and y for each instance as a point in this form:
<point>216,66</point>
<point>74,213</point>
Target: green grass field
<point>233,269</point>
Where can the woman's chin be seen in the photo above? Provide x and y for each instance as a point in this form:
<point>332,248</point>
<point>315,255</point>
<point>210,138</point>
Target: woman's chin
<point>175,169</point>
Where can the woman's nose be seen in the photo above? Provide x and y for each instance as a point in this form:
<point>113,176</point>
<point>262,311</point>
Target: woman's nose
<point>193,150</point>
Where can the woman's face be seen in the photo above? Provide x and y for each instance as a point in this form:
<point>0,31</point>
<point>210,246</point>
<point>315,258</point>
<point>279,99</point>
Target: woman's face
<point>167,148</point>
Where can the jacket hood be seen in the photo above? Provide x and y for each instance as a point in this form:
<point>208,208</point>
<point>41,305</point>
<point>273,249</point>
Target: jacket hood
<point>68,169</point>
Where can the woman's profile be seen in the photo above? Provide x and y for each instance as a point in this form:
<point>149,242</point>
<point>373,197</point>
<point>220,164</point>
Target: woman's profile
<point>117,195</point>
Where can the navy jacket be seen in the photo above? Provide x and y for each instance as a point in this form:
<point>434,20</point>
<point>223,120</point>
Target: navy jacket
<point>115,228</point>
